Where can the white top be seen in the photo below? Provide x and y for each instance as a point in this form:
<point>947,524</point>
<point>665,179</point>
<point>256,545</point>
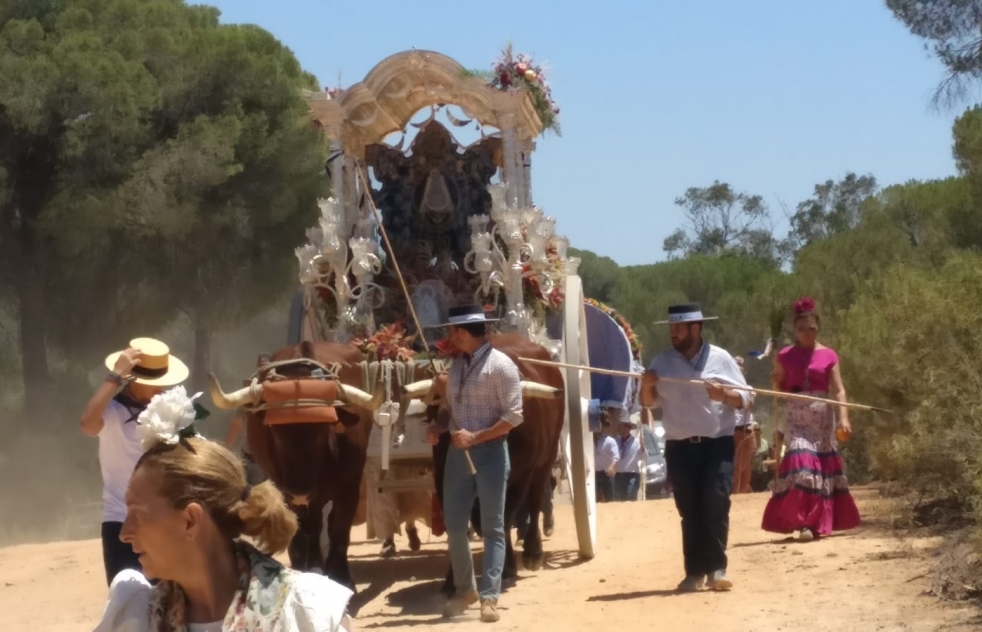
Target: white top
<point>628,449</point>
<point>314,604</point>
<point>605,453</point>
<point>687,410</point>
<point>119,450</point>
<point>744,418</point>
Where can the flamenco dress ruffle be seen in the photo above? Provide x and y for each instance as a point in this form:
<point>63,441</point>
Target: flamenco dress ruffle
<point>811,491</point>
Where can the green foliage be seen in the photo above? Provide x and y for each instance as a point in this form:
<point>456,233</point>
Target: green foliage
<point>834,208</point>
<point>951,30</point>
<point>721,221</point>
<point>910,343</point>
<point>152,162</point>
<point>599,274</point>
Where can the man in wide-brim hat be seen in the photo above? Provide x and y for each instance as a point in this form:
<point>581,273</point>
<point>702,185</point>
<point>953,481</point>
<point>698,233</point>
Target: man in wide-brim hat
<point>136,374</point>
<point>484,395</point>
<point>699,449</point>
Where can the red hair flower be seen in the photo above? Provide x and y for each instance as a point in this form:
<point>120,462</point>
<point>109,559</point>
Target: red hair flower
<point>804,305</point>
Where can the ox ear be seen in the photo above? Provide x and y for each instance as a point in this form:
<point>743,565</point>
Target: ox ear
<point>535,390</point>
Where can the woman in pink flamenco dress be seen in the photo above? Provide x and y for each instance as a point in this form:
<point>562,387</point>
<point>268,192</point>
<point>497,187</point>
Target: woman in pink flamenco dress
<point>811,496</point>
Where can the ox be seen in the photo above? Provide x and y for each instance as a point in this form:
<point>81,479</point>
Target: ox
<point>532,446</point>
<point>314,464</point>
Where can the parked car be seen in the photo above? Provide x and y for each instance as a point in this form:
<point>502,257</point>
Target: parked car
<point>655,472</point>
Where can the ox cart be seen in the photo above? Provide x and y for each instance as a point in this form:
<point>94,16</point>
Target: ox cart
<point>421,219</point>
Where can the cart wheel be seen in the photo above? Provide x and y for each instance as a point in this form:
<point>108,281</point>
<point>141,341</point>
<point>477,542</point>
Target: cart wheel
<point>577,419</point>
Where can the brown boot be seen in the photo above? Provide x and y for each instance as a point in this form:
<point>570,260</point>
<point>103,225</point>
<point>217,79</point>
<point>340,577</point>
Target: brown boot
<point>489,611</point>
<point>458,605</point>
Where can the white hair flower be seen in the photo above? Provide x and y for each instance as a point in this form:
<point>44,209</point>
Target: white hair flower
<point>168,417</point>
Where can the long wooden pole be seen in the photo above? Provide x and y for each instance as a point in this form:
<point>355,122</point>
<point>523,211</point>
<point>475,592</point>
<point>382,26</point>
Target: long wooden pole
<point>402,283</point>
<point>702,383</point>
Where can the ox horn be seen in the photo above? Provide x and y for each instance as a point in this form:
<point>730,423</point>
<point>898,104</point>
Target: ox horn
<point>249,395</point>
<point>535,390</point>
<point>358,397</point>
<point>417,390</point>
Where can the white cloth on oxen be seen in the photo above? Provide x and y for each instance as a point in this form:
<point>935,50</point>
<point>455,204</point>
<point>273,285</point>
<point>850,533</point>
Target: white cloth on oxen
<point>388,510</point>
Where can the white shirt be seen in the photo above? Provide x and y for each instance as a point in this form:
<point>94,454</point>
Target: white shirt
<point>744,418</point>
<point>687,410</point>
<point>628,450</point>
<point>314,604</point>
<point>119,450</point>
<point>605,453</point>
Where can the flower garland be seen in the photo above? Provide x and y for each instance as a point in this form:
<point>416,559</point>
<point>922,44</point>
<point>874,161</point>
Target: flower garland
<point>632,338</point>
<point>513,73</point>
<point>388,343</point>
<point>539,301</point>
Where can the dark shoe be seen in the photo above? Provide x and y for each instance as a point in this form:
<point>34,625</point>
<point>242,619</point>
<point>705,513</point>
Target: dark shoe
<point>691,583</point>
<point>719,581</point>
<point>489,611</point>
<point>459,605</point>
<point>413,535</point>
<point>388,548</point>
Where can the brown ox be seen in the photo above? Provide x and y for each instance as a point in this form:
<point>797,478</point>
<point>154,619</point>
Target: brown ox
<point>532,446</point>
<point>315,463</point>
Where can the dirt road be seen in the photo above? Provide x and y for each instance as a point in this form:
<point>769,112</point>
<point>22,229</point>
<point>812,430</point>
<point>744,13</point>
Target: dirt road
<point>867,580</point>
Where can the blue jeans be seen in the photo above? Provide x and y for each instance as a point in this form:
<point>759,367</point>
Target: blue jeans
<point>626,485</point>
<point>459,489</point>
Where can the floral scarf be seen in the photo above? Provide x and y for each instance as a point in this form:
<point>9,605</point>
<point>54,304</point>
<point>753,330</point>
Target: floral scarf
<point>257,605</point>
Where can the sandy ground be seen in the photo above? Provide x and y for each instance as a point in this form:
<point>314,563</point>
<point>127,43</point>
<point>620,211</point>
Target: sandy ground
<point>869,579</point>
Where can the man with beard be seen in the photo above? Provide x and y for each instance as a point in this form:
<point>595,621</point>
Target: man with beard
<point>699,449</point>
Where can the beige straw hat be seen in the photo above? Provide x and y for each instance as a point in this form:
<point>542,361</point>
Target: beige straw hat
<point>156,366</point>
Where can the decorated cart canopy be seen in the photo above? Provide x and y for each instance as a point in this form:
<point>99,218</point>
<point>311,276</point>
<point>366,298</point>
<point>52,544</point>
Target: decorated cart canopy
<point>460,218</point>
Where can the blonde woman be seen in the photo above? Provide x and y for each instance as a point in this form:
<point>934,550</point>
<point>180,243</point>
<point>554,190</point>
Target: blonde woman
<point>187,507</point>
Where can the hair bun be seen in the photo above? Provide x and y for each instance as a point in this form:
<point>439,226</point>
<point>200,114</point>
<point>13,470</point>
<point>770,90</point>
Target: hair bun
<point>804,305</point>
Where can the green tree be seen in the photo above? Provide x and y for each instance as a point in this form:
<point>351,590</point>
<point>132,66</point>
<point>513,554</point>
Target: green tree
<point>721,221</point>
<point>151,161</point>
<point>951,29</point>
<point>835,207</point>
<point>599,274</point>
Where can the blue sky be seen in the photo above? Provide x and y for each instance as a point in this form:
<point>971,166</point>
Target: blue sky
<point>771,96</point>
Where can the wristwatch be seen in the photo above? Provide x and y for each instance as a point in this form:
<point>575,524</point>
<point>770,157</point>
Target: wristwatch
<point>115,378</point>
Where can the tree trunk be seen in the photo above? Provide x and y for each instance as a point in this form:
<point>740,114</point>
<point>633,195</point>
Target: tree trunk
<point>202,354</point>
<point>33,328</point>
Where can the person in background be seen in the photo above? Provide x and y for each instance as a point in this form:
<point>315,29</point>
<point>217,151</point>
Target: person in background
<point>745,441</point>
<point>188,505</point>
<point>699,423</point>
<point>811,494</point>
<point>605,458</point>
<point>136,375</point>
<point>627,477</point>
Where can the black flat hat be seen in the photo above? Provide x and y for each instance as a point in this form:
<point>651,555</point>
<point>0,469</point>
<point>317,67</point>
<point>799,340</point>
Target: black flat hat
<point>467,315</point>
<point>685,313</point>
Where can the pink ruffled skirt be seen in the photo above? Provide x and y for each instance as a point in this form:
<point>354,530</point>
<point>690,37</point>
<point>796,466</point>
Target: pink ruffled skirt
<point>811,491</point>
